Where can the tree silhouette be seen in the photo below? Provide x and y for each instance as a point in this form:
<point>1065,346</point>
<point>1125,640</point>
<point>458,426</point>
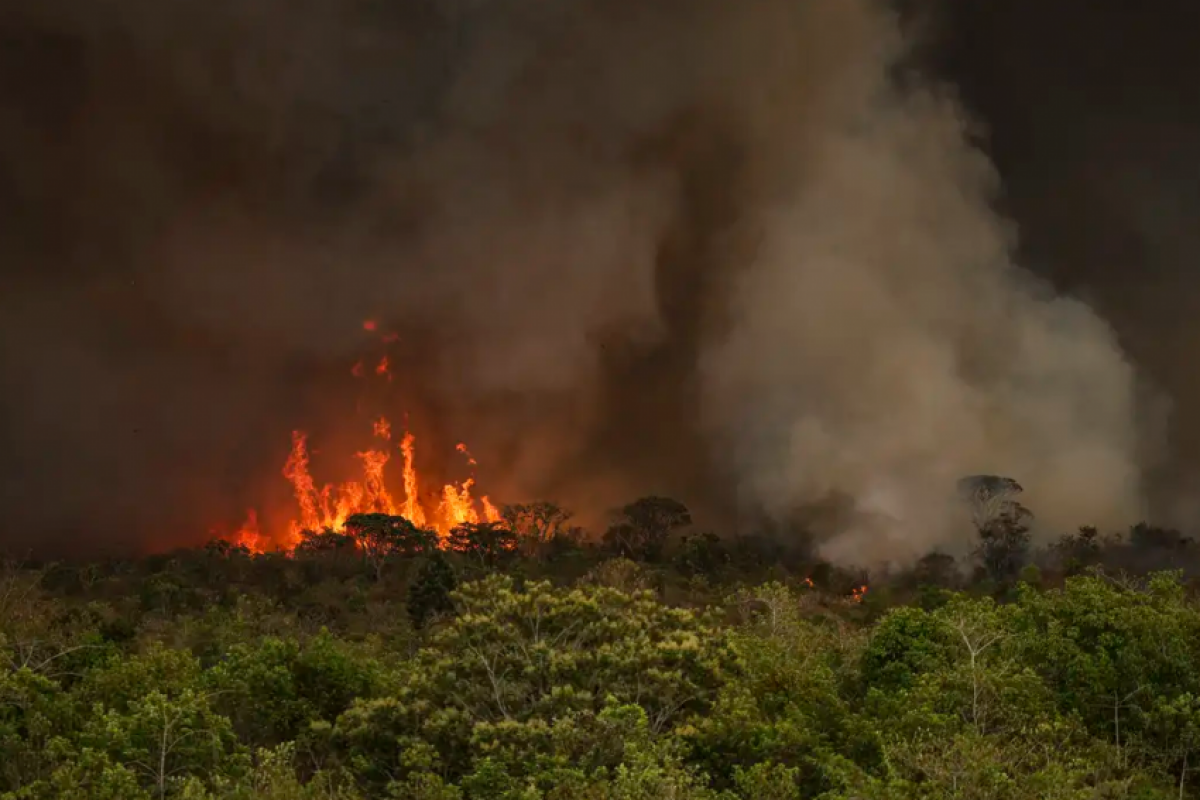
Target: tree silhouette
<point>430,592</point>
<point>642,527</point>
<point>487,543</point>
<point>381,536</point>
<point>1001,522</point>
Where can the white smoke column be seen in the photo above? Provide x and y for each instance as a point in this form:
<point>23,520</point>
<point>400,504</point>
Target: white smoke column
<point>885,345</point>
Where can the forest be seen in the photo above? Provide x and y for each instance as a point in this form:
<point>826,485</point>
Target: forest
<point>528,659</point>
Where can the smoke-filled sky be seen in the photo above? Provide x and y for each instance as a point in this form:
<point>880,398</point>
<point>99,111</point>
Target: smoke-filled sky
<point>748,254</point>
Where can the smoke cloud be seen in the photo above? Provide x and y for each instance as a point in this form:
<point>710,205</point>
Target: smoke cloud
<point>739,253</point>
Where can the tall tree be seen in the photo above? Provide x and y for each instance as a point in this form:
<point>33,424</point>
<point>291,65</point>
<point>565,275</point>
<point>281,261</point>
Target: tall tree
<point>641,528</point>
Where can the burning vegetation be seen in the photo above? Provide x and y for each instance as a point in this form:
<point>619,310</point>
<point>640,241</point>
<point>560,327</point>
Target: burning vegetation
<point>328,507</point>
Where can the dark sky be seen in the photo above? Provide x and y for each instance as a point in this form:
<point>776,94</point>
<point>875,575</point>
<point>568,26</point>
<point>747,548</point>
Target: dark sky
<point>1093,118</point>
<point>141,397</point>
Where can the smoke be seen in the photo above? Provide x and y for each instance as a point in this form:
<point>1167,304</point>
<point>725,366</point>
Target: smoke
<point>885,343</point>
<point>738,253</point>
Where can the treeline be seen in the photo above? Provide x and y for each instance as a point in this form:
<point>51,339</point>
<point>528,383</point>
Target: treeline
<point>529,660</point>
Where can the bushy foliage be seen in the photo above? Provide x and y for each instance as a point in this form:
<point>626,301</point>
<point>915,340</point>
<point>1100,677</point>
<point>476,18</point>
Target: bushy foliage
<point>656,663</point>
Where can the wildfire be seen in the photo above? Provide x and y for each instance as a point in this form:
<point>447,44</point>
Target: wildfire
<point>249,535</point>
<point>412,506</point>
<point>857,593</point>
<point>328,506</point>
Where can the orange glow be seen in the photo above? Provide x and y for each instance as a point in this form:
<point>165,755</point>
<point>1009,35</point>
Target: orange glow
<point>858,593</point>
<point>412,504</point>
<point>327,506</point>
<point>249,535</point>
<point>322,507</point>
<point>490,512</point>
<point>456,507</point>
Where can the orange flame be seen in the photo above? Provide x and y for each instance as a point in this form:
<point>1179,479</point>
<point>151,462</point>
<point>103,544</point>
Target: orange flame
<point>456,507</point>
<point>412,504</point>
<point>490,512</point>
<point>329,506</point>
<point>249,535</point>
<point>462,448</point>
<point>858,593</point>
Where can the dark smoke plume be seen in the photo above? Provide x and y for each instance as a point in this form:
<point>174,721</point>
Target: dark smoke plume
<point>739,253</point>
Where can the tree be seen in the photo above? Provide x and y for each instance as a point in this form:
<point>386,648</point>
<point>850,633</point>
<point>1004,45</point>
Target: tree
<point>1111,650</point>
<point>1174,726</point>
<point>485,543</point>
<point>786,707</point>
<point>1004,549</point>
<point>701,555</point>
<point>540,527</point>
<point>431,591</point>
<point>512,664</point>
<point>1075,552</point>
<point>381,536</point>
<point>275,689</point>
<point>938,570</point>
<point>165,739</point>
<point>326,541</point>
<point>1002,524</point>
<point>641,528</point>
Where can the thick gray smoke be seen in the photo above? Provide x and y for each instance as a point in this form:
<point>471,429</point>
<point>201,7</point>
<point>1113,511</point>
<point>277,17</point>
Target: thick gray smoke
<point>733,252</point>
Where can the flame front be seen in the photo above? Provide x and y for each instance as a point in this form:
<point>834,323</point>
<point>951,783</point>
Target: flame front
<point>328,506</point>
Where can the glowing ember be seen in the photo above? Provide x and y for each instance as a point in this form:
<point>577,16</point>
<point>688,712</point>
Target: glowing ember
<point>858,593</point>
<point>462,448</point>
<point>382,368</point>
<point>369,325</point>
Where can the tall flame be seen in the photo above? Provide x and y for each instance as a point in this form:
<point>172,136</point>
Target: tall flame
<point>412,504</point>
<point>328,506</point>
